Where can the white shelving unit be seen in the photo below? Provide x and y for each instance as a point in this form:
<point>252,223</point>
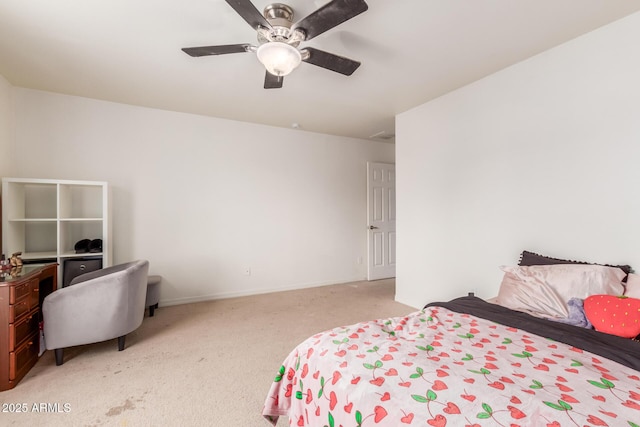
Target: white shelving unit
<point>44,218</point>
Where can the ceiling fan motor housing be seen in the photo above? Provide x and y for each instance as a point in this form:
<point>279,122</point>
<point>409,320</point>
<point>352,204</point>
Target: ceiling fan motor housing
<point>280,16</point>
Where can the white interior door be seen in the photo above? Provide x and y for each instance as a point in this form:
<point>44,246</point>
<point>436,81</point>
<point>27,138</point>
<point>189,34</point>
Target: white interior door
<point>381,198</point>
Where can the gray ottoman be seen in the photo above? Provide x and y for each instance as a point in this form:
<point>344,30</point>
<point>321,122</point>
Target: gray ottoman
<point>153,293</point>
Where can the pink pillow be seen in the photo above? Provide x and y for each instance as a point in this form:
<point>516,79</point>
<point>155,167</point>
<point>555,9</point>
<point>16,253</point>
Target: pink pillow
<point>614,315</point>
<point>633,286</point>
<point>545,290</point>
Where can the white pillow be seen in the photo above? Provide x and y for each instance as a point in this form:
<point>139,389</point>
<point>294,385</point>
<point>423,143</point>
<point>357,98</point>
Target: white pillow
<point>545,290</point>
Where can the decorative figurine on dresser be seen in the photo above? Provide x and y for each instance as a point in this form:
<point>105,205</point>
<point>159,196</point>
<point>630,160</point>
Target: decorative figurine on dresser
<point>21,296</point>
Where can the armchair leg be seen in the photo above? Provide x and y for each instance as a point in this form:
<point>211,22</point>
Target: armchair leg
<point>59,353</point>
<point>121,343</point>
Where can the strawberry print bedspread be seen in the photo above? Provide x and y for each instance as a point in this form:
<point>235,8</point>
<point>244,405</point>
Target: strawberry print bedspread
<point>437,367</point>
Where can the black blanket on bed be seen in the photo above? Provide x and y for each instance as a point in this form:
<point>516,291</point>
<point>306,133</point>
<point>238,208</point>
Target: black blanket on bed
<point>622,350</point>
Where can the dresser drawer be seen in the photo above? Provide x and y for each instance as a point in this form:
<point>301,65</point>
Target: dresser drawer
<point>19,291</point>
<point>21,360</point>
<point>17,310</point>
<point>22,329</point>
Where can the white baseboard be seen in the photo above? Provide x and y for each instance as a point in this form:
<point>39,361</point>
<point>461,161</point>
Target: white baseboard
<point>226,295</point>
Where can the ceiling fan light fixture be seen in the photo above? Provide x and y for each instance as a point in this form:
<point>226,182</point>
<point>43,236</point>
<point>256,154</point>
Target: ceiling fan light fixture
<point>279,58</point>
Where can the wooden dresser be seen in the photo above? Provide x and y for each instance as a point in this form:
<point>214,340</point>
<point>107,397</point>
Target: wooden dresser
<point>21,296</point>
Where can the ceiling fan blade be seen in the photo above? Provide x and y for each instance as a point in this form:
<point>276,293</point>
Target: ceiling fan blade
<point>332,62</point>
<point>216,50</point>
<point>272,82</point>
<point>330,15</point>
<point>248,11</point>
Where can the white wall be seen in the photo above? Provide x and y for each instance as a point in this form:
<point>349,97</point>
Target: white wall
<point>203,199</point>
<point>6,127</point>
<point>540,156</point>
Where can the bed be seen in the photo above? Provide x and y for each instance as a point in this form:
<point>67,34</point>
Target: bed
<point>469,362</point>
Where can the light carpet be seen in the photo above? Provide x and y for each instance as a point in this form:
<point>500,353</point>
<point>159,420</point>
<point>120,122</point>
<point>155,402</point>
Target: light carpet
<point>201,364</point>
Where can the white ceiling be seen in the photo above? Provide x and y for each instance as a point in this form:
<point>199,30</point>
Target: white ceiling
<point>128,51</point>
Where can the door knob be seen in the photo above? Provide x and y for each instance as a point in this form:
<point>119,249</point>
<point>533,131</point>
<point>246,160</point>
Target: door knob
<point>372,227</point>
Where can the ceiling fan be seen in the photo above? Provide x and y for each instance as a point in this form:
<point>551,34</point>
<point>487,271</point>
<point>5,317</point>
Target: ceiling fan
<point>279,37</point>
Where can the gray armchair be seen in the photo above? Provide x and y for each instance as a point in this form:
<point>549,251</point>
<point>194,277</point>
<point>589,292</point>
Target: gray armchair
<point>96,306</point>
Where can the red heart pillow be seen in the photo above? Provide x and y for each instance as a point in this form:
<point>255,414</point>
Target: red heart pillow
<point>617,315</point>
